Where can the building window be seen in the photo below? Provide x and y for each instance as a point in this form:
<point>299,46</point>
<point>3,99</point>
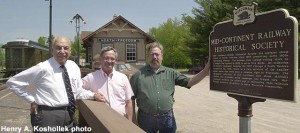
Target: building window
<point>106,45</point>
<point>130,52</point>
<point>89,53</point>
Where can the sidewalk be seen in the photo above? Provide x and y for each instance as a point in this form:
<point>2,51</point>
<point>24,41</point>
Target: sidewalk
<point>200,110</point>
<point>14,113</point>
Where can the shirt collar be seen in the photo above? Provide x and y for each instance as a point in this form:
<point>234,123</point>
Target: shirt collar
<point>103,73</point>
<point>161,68</point>
<point>56,65</point>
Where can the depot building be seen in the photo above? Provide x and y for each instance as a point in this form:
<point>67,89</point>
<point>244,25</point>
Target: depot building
<point>129,41</point>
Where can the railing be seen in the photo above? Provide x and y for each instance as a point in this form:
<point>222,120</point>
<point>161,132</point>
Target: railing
<point>102,119</point>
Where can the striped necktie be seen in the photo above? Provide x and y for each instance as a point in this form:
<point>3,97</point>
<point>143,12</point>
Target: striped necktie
<point>71,107</point>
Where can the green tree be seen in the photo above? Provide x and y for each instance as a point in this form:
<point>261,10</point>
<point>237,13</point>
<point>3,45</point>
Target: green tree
<point>2,56</point>
<point>42,40</point>
<point>75,49</point>
<point>201,25</point>
<point>172,35</point>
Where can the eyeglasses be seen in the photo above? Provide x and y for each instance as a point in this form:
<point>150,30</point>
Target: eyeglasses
<point>154,54</point>
<point>109,59</point>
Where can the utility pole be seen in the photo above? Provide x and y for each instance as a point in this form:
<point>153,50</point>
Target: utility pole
<point>50,28</point>
<point>77,19</point>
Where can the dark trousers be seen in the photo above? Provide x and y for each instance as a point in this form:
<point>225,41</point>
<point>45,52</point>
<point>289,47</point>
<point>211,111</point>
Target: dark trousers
<point>52,120</point>
<point>164,123</point>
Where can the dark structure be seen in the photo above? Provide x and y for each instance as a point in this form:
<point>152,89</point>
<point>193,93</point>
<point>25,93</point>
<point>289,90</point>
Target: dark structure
<point>21,54</point>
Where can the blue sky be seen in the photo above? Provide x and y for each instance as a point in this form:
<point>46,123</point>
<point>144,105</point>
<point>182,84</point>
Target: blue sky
<point>29,19</point>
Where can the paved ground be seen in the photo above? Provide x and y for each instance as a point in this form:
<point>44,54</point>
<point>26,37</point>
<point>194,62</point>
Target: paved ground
<point>197,111</point>
<point>14,113</point>
<point>202,111</point>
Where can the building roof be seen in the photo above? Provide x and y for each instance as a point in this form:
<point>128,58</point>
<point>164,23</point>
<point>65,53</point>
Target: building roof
<point>84,34</point>
<point>86,37</point>
<point>25,43</point>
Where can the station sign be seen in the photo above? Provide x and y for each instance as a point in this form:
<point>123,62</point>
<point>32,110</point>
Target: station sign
<point>125,40</point>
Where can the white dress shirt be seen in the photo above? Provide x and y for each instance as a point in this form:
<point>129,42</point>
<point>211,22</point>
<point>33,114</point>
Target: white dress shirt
<point>49,88</point>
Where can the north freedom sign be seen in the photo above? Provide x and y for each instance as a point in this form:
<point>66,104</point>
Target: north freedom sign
<point>258,59</point>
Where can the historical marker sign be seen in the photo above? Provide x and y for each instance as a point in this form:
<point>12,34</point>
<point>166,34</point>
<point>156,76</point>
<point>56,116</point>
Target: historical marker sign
<point>256,59</point>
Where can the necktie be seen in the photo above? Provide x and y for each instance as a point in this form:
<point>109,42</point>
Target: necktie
<point>71,107</point>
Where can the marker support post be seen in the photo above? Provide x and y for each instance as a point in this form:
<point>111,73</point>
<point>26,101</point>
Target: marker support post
<point>245,111</point>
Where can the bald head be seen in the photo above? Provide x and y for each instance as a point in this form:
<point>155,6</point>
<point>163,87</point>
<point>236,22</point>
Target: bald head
<point>58,39</point>
<point>61,49</point>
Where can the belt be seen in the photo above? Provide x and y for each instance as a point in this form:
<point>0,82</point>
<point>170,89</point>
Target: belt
<point>45,107</point>
<point>158,114</point>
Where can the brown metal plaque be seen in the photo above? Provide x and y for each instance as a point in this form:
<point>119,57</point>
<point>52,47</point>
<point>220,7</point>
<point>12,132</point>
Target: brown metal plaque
<point>257,59</point>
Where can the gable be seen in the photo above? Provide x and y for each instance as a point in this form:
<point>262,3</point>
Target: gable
<point>119,24</point>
